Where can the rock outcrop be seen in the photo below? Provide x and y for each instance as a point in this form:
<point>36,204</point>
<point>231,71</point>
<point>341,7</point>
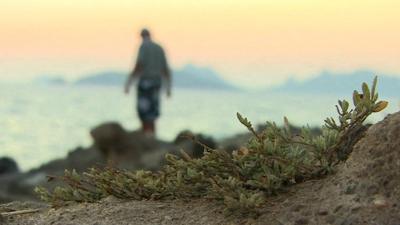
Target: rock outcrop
<point>112,146</point>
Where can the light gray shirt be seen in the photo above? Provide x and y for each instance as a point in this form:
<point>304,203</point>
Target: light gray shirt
<point>152,60</point>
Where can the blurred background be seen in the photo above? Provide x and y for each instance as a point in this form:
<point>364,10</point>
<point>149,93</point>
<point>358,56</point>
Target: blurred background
<point>63,65</point>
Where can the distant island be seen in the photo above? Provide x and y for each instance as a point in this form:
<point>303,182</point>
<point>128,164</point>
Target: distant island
<point>205,78</point>
<point>189,76</point>
<point>108,78</point>
<point>340,83</point>
<point>50,80</point>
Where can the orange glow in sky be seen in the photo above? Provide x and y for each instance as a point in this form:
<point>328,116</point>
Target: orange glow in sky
<point>249,42</point>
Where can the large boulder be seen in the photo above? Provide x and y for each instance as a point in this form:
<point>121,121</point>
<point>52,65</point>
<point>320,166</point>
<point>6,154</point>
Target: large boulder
<point>108,138</point>
<point>194,144</point>
<point>8,165</point>
<point>129,149</point>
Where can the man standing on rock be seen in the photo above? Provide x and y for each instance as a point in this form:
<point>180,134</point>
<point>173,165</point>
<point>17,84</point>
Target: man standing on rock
<point>151,67</point>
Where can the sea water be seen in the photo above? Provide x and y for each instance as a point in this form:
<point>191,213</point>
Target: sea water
<point>39,123</point>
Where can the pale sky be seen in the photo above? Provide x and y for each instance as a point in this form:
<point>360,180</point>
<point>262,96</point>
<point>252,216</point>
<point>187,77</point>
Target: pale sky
<point>249,42</point>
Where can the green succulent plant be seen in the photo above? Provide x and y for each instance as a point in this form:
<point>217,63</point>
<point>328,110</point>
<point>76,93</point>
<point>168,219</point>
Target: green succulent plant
<point>242,180</point>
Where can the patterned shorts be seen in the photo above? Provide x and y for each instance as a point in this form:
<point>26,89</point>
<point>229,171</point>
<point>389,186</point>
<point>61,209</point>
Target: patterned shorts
<point>148,99</point>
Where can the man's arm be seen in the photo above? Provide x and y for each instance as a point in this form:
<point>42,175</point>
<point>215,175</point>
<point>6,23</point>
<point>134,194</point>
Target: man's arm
<point>135,72</point>
<point>167,75</point>
<point>131,78</point>
<point>168,80</point>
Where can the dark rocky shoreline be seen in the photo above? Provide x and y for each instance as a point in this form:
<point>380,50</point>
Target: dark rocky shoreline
<point>112,145</point>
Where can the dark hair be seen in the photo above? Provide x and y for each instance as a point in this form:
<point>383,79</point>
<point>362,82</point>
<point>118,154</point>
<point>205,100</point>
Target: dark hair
<point>145,33</point>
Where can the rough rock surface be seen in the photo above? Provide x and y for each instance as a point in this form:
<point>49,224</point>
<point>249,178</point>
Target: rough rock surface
<point>365,190</point>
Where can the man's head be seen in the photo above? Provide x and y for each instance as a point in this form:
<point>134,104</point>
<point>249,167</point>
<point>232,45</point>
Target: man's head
<point>145,33</point>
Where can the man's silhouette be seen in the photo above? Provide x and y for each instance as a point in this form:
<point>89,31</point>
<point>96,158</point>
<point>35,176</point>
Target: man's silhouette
<point>151,67</point>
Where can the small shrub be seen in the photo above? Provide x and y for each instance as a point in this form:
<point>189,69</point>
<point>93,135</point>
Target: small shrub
<point>271,160</point>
